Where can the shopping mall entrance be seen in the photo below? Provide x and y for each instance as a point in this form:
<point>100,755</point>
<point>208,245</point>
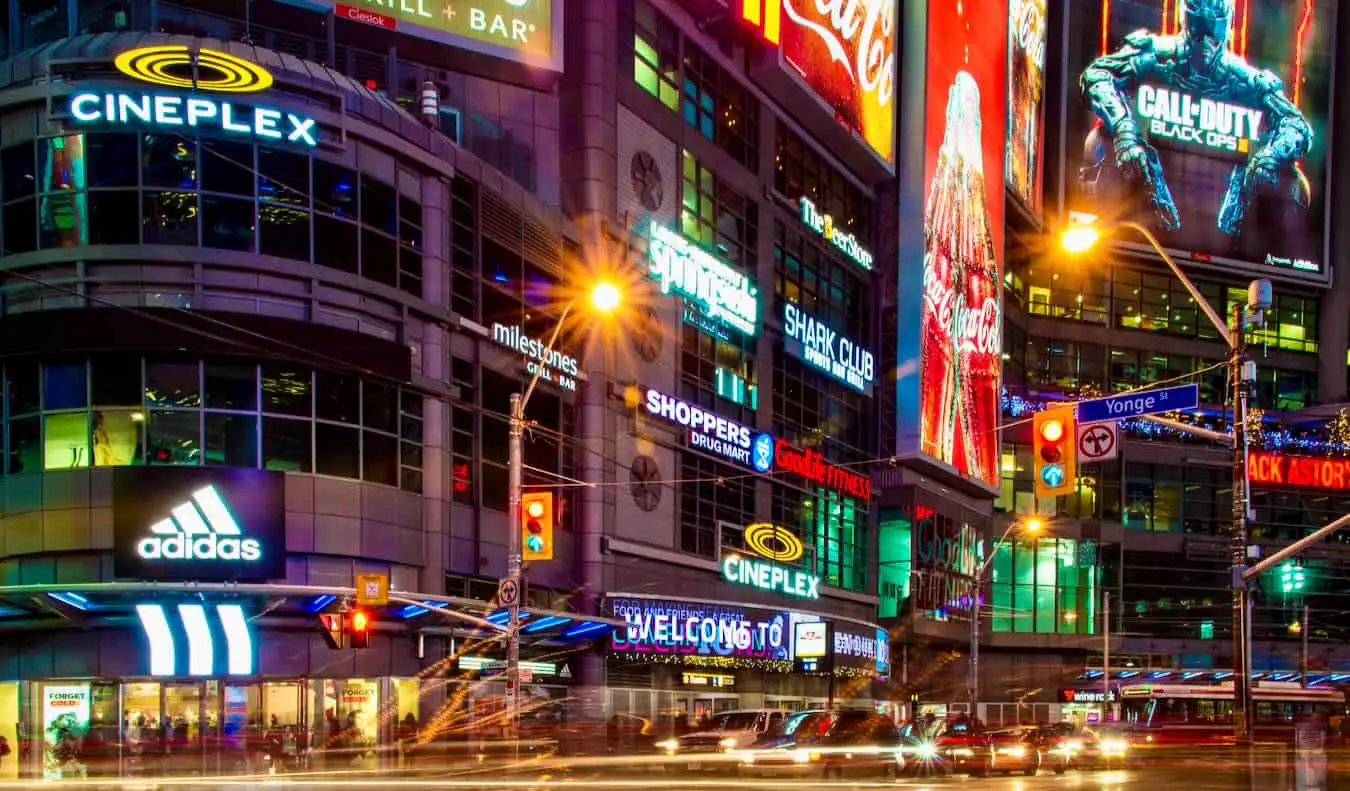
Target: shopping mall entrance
<point>164,728</point>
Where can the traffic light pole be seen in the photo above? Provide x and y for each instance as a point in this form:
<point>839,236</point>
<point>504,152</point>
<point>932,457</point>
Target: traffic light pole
<point>516,434</point>
<point>1242,693</point>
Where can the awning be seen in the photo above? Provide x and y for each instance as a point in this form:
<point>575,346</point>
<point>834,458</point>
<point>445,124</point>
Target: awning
<point>281,605</point>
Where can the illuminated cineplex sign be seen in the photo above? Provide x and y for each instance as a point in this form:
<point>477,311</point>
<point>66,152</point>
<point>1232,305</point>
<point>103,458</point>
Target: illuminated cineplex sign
<point>822,347</point>
<point>682,267</point>
<point>216,71</point>
<point>847,243</point>
<point>775,544</point>
<point>1175,115</point>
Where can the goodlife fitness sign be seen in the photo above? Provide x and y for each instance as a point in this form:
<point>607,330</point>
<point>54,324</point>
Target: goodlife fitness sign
<point>723,437</point>
<point>1298,472</point>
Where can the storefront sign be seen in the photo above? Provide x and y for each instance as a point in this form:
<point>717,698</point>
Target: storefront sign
<point>198,523</point>
<point>519,30</point>
<point>713,433</point>
<point>65,721</point>
<point>197,626</point>
<point>707,680</point>
<point>811,646</point>
<point>773,542</point>
<point>1187,118</point>
<point>811,465</point>
<point>1299,472</point>
<point>192,110</point>
<point>1070,695</point>
<point>720,291</point>
<point>822,347</point>
<point>869,649</point>
<point>693,630</point>
<point>770,577</point>
<point>552,365</point>
<point>847,243</point>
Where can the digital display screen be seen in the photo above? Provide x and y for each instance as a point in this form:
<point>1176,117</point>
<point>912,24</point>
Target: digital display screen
<point>1026,101</point>
<point>1206,122</point>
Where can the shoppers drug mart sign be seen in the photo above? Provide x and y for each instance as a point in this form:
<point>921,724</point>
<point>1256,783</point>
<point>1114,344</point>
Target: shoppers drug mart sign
<point>824,348</point>
<point>722,293</point>
<point>710,432</point>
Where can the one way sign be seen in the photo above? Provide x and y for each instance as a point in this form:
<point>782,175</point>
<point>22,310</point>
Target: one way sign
<point>1097,442</point>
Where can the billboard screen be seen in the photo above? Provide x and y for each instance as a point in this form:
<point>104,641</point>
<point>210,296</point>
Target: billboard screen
<point>845,52</point>
<point>1207,122</point>
<point>1026,92</point>
<point>958,344</point>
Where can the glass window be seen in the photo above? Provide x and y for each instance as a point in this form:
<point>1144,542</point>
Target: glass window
<point>114,217</point>
<point>231,386</point>
<point>66,441</point>
<point>115,380</point>
<point>169,218</point>
<point>20,227</point>
<point>25,448</point>
<point>286,390</point>
<point>380,458</point>
<point>335,244</point>
<point>337,397</point>
<point>172,384</point>
<point>283,231</point>
<point>337,450</point>
<point>227,168</point>
<point>18,169</point>
<point>656,54</point>
<point>286,444</point>
<point>334,190</point>
<point>112,160</point>
<point>283,177</point>
<point>380,408</point>
<point>63,220</point>
<point>65,385</point>
<point>174,437</point>
<point>117,437</point>
<point>379,206</point>
<point>24,391</point>
<point>227,223</point>
<point>231,440</point>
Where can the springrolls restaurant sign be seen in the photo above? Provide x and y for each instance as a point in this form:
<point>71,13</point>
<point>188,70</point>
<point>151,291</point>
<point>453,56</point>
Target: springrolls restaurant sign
<point>191,77</point>
<point>1298,472</point>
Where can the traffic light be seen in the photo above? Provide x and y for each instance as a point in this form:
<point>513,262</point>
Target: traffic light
<point>1056,462</point>
<point>358,632</point>
<point>536,526</point>
<point>1291,579</point>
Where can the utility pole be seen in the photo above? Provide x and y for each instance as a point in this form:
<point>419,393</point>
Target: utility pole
<point>1242,373</point>
<point>1303,657</point>
<point>1106,656</point>
<point>973,683</point>
<point>516,434</point>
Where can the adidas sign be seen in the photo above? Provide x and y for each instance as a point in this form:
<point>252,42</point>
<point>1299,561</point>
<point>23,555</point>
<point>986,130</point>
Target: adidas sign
<point>201,529</point>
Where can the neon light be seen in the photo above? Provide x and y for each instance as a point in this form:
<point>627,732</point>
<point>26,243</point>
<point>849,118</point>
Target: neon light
<point>1299,43</point>
<point>546,623</point>
<point>174,66</point>
<point>186,536</point>
<point>683,267</point>
<point>750,12</point>
<point>825,349</point>
<point>239,639</point>
<point>824,225</point>
<point>71,600</point>
<point>156,627</point>
<point>771,577</point>
<point>123,108</point>
<point>219,517</point>
<point>773,21</point>
<point>773,542</point>
<point>201,650</point>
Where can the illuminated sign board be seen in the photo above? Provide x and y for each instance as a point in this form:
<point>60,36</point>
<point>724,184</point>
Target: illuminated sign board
<point>811,465</point>
<point>206,655</point>
<point>870,649</point>
<point>198,523</point>
<point>527,31</point>
<point>822,347</point>
<point>552,365</point>
<point>1298,472</point>
<point>843,52</point>
<point>697,631</point>
<point>810,646</point>
<point>720,291</point>
<point>1070,695</point>
<point>1223,155</point>
<point>713,433</point>
<point>847,243</point>
<point>777,545</point>
<point>950,352</point>
<point>192,111</point>
<point>1188,118</point>
<point>1026,97</point>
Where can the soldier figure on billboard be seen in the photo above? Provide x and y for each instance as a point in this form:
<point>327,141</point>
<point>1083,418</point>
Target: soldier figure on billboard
<point>1196,60</point>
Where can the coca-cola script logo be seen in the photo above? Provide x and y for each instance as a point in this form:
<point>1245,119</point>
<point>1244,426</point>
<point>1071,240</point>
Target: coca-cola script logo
<point>973,329</point>
<point>857,38</point>
<point>1029,30</point>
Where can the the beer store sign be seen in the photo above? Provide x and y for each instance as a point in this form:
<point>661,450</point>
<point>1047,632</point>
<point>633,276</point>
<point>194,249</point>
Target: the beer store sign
<point>192,108</point>
<point>820,346</point>
<point>713,433</point>
<point>847,243</point>
<point>721,292</point>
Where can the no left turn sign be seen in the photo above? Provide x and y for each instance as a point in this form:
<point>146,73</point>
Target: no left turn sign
<point>1097,442</point>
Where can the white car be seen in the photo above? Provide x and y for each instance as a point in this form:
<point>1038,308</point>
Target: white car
<point>717,744</point>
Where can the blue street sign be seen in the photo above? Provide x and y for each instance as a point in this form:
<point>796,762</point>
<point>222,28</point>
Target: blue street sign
<point>1146,402</point>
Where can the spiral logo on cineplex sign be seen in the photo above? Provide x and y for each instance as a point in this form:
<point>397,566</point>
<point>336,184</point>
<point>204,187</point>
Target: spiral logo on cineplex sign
<point>175,66</point>
<point>773,542</point>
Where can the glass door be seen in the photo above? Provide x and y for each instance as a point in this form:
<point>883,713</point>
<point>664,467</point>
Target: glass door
<point>182,728</point>
<point>142,731</point>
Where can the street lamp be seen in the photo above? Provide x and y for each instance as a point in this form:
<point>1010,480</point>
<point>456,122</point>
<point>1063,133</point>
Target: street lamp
<point>604,298</point>
<point>1081,235</point>
<point>1032,525</point>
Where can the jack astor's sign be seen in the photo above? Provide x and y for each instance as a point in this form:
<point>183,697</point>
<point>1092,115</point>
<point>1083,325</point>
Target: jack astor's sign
<point>1298,472</point>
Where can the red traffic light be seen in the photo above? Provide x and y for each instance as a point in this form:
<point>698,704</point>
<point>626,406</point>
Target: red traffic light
<point>359,635</point>
<point>1052,430</point>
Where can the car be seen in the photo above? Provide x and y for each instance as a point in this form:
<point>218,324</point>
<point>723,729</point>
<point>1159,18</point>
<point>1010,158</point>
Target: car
<point>817,744</point>
<point>1106,747</point>
<point>960,745</point>
<point>1059,745</point>
<point>1003,751</point>
<point>718,743</point>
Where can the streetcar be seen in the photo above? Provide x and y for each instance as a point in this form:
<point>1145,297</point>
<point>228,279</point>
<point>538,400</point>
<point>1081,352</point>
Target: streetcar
<point>1194,714</point>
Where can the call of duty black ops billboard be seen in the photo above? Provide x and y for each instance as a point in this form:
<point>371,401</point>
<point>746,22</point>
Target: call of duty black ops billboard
<point>1206,121</point>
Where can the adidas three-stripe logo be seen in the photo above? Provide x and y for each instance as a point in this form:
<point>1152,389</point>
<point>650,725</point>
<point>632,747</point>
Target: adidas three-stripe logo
<point>200,529</point>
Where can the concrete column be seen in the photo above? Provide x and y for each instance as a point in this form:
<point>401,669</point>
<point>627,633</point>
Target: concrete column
<point>435,412</point>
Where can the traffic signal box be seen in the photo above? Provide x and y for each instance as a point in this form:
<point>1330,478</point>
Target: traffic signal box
<point>1055,456</point>
<point>358,629</point>
<point>536,526</point>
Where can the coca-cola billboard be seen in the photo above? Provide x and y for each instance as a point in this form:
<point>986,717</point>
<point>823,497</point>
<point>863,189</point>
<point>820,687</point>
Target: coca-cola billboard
<point>1026,91</point>
<point>844,50</point>
<point>950,304</point>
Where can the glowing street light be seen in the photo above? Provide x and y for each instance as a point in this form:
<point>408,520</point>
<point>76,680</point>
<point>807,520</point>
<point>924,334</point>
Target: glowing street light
<point>605,297</point>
